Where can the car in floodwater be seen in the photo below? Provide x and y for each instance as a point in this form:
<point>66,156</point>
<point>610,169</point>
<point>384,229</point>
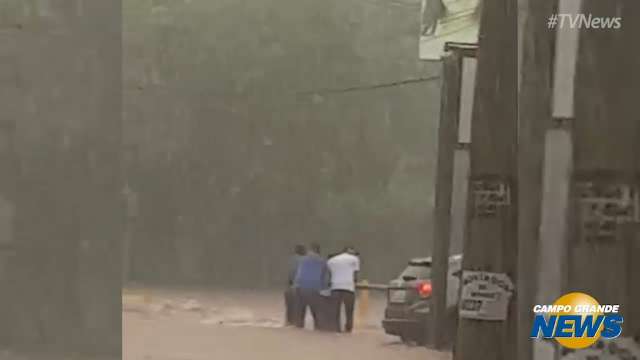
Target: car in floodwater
<point>409,297</point>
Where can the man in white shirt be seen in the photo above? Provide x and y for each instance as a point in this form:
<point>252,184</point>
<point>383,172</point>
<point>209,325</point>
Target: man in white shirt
<point>344,269</point>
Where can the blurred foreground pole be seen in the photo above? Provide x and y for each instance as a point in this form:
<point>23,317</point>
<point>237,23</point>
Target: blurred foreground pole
<point>446,141</point>
<point>491,247</point>
<point>550,271</point>
<point>63,281</point>
<point>605,181</point>
<point>534,118</point>
<point>459,71</point>
<point>588,240</point>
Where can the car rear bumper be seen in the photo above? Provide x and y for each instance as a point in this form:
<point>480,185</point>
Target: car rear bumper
<point>399,327</point>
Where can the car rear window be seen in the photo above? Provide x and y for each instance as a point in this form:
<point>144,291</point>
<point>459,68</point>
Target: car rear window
<point>417,272</point>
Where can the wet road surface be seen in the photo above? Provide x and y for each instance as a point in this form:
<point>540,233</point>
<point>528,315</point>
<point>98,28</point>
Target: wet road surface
<point>246,325</point>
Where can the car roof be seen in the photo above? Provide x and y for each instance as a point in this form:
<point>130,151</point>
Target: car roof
<point>429,260</point>
<point>421,261</point>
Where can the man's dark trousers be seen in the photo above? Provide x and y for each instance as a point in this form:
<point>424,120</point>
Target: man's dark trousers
<point>348,298</point>
<point>291,305</point>
<point>309,298</point>
<point>326,317</point>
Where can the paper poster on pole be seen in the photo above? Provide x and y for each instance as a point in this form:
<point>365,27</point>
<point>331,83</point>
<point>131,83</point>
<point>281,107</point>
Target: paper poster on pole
<point>604,207</point>
<point>485,296</point>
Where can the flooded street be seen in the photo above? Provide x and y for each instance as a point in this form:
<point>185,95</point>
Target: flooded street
<point>191,325</point>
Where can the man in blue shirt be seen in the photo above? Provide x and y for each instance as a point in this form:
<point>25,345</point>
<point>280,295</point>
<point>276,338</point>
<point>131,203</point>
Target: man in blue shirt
<point>290,297</point>
<point>311,278</point>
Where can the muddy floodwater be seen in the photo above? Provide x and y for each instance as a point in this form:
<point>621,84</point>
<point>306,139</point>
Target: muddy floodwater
<point>206,325</point>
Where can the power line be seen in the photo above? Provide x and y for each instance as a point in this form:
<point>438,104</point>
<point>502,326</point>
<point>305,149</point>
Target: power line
<point>370,87</point>
<point>324,91</point>
<point>389,3</point>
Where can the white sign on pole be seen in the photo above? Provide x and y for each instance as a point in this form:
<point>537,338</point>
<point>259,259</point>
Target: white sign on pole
<point>485,295</point>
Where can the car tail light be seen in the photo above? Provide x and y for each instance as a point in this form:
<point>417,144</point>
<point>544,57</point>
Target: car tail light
<point>425,289</point>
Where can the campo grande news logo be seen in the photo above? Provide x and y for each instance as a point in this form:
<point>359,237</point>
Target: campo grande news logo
<point>577,321</point>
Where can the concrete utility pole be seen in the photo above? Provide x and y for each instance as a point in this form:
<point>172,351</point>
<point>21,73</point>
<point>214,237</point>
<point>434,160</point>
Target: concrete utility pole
<point>452,181</point>
<point>534,115</point>
<point>551,252</point>
<point>446,141</point>
<point>491,246</point>
<point>606,181</point>
<point>588,241</point>
<point>63,283</point>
